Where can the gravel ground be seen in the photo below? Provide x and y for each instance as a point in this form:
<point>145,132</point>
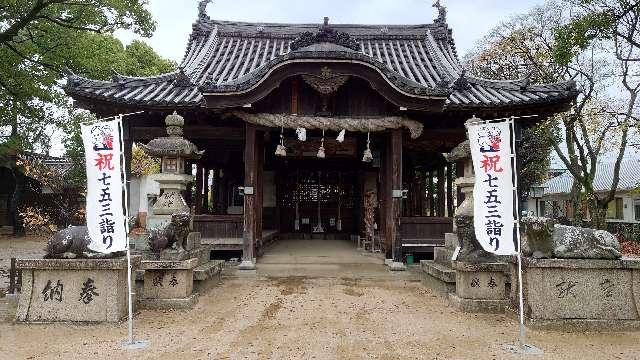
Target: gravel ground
<point>310,318</point>
<point>366,313</point>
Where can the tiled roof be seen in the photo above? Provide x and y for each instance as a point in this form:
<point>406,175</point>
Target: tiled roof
<point>223,56</point>
<point>629,178</point>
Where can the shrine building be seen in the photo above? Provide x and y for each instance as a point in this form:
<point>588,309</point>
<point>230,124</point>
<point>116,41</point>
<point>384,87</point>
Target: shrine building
<point>376,106</point>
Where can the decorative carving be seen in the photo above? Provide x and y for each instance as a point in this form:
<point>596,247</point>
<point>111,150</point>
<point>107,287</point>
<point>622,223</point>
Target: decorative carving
<point>73,243</point>
<point>442,12</point>
<point>182,80</point>
<point>325,35</point>
<point>327,83</point>
<point>202,9</point>
<point>461,82</point>
<point>173,235</point>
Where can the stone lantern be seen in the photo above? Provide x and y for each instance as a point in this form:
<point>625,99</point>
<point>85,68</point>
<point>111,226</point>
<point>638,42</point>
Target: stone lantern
<point>174,150</point>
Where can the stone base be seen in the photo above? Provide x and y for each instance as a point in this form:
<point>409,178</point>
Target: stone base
<point>438,277</point>
<point>207,275</point>
<point>165,279</point>
<point>480,287</point>
<point>579,292</point>
<point>478,305</point>
<point>77,290</point>
<point>169,304</point>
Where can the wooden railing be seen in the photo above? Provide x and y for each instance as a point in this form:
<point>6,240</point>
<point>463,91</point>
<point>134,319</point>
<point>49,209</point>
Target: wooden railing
<point>425,228</point>
<point>218,226</point>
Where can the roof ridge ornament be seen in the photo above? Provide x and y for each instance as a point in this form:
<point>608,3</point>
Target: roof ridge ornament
<point>202,9</point>
<point>325,34</point>
<point>442,13</point>
<point>462,83</point>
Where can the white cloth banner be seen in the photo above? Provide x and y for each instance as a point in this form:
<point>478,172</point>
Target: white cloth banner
<point>105,213</point>
<point>493,192</point>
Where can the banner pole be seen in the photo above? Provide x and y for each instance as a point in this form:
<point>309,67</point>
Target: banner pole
<point>126,213</point>
<point>517,220</point>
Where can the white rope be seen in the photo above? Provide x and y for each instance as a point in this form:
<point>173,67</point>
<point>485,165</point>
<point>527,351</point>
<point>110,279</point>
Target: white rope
<point>327,123</point>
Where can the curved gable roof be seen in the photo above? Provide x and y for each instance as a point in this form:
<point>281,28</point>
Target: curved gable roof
<point>224,56</point>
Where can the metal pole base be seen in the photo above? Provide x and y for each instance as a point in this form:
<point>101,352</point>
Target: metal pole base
<point>135,345</point>
<point>525,349</point>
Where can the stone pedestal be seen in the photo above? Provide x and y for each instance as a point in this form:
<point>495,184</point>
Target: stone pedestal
<point>480,288</point>
<point>579,294</point>
<point>168,284</point>
<point>79,290</point>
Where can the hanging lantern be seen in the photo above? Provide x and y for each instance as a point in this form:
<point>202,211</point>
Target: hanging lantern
<point>280,149</point>
<point>340,137</point>
<point>368,156</point>
<point>302,134</point>
<point>321,153</point>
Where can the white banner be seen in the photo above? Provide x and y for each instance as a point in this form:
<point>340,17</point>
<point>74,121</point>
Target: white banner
<point>105,213</point>
<point>493,192</point>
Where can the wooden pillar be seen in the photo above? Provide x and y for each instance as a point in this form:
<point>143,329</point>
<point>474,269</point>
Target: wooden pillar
<point>385,196</point>
<point>259,189</point>
<point>198,199</point>
<point>205,186</point>
<point>250,181</point>
<point>441,194</point>
<point>396,188</point>
<point>450,207</point>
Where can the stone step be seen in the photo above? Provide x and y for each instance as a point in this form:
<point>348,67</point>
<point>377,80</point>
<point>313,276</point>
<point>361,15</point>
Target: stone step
<point>208,270</point>
<point>438,271</point>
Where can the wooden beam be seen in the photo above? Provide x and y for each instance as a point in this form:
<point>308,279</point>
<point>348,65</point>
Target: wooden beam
<point>141,133</point>
<point>250,181</point>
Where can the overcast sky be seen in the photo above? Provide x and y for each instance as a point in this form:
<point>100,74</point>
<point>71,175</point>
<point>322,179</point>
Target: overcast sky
<point>469,19</point>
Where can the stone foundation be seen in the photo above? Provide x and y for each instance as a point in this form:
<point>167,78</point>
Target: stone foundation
<point>480,287</point>
<point>580,294</point>
<point>79,290</point>
<point>168,284</point>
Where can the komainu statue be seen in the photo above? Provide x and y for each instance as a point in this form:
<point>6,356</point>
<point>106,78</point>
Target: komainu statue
<point>73,243</point>
<point>470,249</point>
<point>543,238</point>
<point>173,236</point>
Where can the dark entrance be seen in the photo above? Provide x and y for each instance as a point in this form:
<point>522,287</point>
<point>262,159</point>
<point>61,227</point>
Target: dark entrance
<point>320,198</point>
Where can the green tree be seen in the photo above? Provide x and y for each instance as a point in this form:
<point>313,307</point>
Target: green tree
<point>616,25</point>
<point>524,47</point>
<point>40,41</point>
